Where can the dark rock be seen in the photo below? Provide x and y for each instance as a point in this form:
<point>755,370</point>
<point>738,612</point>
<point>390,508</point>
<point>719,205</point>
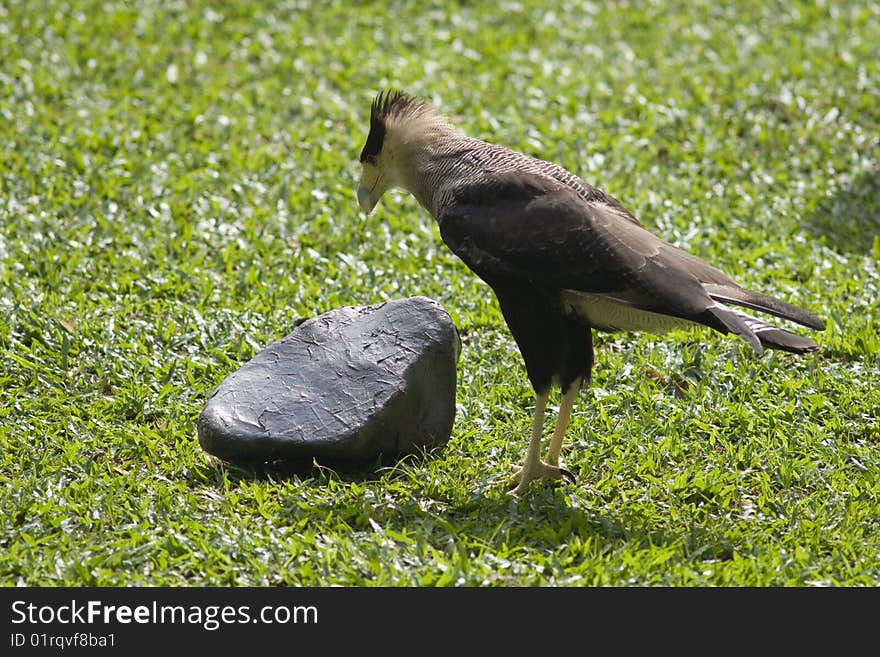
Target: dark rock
<point>350,384</point>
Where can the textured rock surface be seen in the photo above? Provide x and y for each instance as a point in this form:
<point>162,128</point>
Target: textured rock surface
<point>350,384</point>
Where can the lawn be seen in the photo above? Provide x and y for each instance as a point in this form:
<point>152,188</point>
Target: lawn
<point>177,191</point>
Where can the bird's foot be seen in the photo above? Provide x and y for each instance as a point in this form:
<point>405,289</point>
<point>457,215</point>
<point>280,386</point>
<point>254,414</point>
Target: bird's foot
<point>522,476</point>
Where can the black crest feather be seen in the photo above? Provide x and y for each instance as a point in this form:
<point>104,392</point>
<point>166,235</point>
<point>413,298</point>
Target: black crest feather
<point>387,104</point>
<point>393,102</point>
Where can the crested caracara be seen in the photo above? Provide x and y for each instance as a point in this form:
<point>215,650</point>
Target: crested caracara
<point>562,257</point>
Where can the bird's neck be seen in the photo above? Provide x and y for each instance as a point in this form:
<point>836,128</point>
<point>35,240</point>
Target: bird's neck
<point>429,169</point>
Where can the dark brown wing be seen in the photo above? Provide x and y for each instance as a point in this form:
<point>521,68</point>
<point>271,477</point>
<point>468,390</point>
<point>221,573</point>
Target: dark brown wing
<point>525,228</point>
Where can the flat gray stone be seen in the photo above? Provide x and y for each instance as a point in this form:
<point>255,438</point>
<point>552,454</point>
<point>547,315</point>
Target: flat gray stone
<point>351,384</point>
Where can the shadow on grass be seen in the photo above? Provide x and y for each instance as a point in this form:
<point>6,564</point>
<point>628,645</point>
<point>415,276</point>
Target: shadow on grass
<point>307,468</point>
<point>544,519</point>
<point>849,221</point>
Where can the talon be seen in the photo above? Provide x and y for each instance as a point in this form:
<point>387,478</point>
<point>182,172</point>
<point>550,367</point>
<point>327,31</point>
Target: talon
<point>568,475</point>
<point>523,476</point>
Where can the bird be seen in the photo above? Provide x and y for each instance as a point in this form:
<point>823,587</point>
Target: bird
<point>562,257</point>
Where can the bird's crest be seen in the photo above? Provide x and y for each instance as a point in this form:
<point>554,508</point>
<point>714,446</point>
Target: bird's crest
<point>393,103</point>
<point>392,109</point>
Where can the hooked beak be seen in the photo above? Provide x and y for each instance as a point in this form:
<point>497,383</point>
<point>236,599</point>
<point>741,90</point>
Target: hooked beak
<point>365,199</point>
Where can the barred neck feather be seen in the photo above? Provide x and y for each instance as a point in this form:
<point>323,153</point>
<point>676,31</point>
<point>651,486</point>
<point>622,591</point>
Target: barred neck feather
<point>450,161</point>
<point>431,159</point>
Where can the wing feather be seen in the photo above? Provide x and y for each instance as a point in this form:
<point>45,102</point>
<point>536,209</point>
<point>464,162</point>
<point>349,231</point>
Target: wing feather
<point>517,227</point>
<point>536,230</point>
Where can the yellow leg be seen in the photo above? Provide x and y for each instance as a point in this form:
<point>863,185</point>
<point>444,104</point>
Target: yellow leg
<point>565,406</point>
<point>533,467</point>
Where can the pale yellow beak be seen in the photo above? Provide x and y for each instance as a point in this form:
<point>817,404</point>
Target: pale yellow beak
<point>371,186</point>
<point>365,199</point>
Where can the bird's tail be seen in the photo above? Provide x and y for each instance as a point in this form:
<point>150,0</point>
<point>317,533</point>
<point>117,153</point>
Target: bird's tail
<point>756,332</point>
<point>738,296</point>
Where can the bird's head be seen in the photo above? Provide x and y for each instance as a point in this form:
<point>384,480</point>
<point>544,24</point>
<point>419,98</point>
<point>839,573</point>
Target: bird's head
<point>401,126</point>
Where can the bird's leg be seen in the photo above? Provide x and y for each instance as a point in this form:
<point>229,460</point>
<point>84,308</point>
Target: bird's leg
<point>533,452</point>
<point>533,467</point>
<point>565,405</point>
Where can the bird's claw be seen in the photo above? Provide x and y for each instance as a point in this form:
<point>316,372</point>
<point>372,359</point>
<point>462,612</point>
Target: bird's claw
<point>541,470</point>
<point>567,474</point>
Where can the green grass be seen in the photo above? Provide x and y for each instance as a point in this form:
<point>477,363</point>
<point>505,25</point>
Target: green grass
<point>177,190</point>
